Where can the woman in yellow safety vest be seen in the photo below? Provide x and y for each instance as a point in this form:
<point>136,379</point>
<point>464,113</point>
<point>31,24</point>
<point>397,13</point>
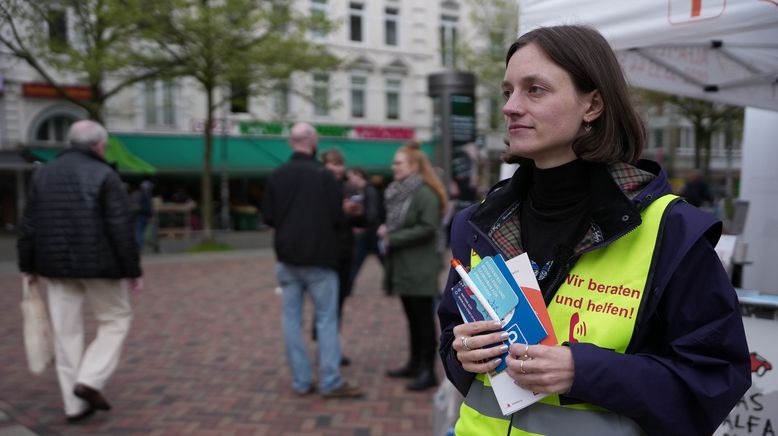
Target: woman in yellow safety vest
<point>649,334</point>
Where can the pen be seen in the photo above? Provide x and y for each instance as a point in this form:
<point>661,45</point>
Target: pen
<point>477,292</point>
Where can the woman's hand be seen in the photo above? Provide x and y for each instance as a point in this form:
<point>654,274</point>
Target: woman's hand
<point>382,231</point>
<point>470,341</point>
<point>542,368</point>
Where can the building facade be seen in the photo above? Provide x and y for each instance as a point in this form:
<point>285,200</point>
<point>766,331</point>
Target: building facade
<point>374,102</point>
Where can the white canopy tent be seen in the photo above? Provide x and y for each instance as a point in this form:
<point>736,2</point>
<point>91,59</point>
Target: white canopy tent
<point>721,50</point>
<point>718,50</point>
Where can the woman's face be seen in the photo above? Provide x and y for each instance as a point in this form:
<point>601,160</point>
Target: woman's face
<point>543,111</point>
<point>337,169</point>
<point>402,167</point>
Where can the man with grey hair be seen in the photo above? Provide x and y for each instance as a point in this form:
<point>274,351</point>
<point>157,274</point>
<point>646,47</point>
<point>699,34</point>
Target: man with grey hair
<point>77,235</point>
<point>303,204</point>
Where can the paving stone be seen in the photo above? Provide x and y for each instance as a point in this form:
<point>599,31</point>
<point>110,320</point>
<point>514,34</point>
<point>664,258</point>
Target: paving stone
<point>16,430</point>
<point>205,355</point>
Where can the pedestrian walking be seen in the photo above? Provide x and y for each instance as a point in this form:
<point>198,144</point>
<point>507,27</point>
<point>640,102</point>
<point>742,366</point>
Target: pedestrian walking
<point>142,206</point>
<point>303,205</point>
<point>652,337</point>
<point>415,201</point>
<point>77,236</point>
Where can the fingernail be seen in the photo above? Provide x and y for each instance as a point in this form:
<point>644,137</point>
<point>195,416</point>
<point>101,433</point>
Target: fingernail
<point>504,348</point>
<point>498,324</point>
<point>497,361</point>
<point>504,335</point>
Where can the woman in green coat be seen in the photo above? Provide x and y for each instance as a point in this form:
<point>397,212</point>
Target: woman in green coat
<point>414,204</point>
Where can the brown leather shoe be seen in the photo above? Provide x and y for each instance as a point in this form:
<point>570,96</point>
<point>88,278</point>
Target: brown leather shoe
<point>346,390</point>
<point>92,396</point>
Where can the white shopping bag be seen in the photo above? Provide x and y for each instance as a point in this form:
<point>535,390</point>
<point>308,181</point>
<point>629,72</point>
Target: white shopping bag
<point>38,340</point>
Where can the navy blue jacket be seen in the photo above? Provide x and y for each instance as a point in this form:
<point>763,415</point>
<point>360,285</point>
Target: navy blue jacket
<point>687,363</point>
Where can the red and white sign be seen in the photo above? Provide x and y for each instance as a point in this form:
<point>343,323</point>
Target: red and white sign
<point>685,11</point>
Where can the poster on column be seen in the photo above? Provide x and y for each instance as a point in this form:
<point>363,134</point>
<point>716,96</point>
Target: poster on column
<point>757,411</point>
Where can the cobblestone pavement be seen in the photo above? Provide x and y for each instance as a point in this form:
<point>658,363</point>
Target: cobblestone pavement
<point>205,355</point>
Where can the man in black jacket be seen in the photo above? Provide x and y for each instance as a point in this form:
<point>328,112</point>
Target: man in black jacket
<point>302,203</point>
<point>77,235</point>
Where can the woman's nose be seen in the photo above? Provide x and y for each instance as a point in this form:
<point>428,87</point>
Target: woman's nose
<point>513,106</point>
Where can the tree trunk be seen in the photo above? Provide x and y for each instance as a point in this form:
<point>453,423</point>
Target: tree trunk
<point>704,145</point>
<point>206,206</point>
<point>699,132</point>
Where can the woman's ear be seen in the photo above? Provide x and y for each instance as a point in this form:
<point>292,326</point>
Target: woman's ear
<point>595,106</point>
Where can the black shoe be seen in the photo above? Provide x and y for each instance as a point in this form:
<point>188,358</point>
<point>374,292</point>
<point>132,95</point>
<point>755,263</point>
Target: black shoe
<point>74,419</point>
<point>92,396</point>
<point>425,380</point>
<point>345,361</point>
<point>408,371</point>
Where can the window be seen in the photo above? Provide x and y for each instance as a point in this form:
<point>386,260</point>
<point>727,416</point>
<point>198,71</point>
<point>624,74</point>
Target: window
<point>358,85</point>
<point>159,103</point>
<point>239,97</point>
<point>281,99</point>
<point>393,99</point>
<point>448,40</point>
<point>658,138</point>
<point>168,104</point>
<point>686,139</point>
<point>57,21</point>
<point>280,18</point>
<point>321,94</point>
<point>319,11</point>
<point>150,97</point>
<point>355,21</point>
<point>390,26</point>
<point>55,128</point>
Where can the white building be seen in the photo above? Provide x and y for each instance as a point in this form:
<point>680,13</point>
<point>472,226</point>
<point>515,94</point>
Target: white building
<point>371,105</point>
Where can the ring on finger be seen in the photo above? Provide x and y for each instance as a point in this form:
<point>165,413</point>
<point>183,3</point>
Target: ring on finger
<point>521,367</point>
<point>464,340</point>
<point>525,356</point>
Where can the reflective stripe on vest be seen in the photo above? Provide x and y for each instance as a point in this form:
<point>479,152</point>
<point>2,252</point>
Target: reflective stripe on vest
<point>597,303</point>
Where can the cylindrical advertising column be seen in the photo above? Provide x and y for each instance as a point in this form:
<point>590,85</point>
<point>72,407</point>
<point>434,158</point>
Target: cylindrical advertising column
<point>454,128</point>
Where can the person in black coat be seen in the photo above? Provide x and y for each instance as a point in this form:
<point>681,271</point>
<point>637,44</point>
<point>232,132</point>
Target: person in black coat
<point>77,233</point>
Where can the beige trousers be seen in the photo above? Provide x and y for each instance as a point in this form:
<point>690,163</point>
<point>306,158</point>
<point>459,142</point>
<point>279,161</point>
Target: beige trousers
<point>110,304</point>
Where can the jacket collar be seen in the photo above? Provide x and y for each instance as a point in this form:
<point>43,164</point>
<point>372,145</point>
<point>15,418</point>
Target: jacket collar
<point>302,156</point>
<point>618,192</point>
<point>90,154</point>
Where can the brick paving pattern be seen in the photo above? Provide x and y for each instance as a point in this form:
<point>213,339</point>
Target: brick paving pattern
<point>205,356</point>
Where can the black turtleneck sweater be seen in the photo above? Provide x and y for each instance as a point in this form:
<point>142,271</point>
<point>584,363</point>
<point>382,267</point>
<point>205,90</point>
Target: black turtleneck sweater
<point>555,216</point>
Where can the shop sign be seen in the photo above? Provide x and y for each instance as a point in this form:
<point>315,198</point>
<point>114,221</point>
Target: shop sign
<point>329,130</point>
<point>218,126</point>
<point>44,90</point>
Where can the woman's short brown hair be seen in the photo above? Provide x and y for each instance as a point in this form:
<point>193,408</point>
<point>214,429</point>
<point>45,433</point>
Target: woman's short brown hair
<point>618,134</point>
<point>333,156</point>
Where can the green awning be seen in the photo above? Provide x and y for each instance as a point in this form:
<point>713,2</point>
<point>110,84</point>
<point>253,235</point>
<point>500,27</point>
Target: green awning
<point>125,159</point>
<point>116,152</point>
<point>251,155</point>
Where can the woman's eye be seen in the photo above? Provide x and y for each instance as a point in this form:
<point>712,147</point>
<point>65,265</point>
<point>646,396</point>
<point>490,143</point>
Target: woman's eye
<point>506,94</point>
<point>535,90</point>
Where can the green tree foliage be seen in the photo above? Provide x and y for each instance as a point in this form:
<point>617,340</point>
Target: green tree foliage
<point>495,26</point>
<point>706,117</point>
<point>97,42</point>
<point>255,43</point>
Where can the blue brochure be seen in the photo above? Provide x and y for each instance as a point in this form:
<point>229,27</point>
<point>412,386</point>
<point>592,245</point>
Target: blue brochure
<point>500,289</point>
